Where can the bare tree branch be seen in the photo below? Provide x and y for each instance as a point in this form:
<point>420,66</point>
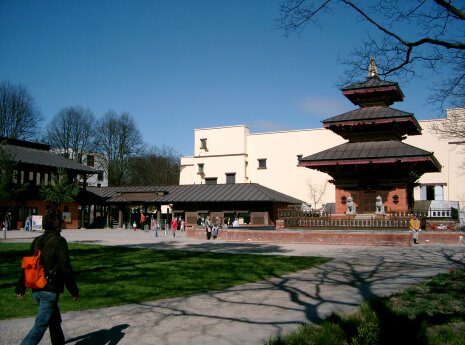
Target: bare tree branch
<point>430,36</point>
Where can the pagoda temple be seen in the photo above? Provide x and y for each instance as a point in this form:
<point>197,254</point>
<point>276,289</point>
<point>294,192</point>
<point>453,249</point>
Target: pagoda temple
<point>374,171</point>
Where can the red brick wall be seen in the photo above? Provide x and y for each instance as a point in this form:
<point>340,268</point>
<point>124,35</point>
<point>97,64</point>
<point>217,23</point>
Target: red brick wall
<point>389,205</point>
<point>42,206</point>
<point>381,238</point>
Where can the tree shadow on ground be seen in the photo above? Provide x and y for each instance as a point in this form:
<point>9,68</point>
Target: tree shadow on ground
<point>218,247</point>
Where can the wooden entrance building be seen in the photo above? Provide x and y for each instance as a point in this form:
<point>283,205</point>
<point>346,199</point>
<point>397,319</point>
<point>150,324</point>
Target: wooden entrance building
<point>374,171</point>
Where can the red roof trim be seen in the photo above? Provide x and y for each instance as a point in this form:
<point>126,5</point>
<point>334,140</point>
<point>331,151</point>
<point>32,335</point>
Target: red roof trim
<point>368,121</point>
<point>369,89</point>
<point>365,161</point>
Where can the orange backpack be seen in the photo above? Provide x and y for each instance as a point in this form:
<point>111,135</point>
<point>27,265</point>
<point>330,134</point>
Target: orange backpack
<point>33,271</point>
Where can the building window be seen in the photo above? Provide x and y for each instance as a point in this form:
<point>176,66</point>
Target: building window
<point>200,168</point>
<point>231,178</point>
<point>432,192</point>
<point>262,163</point>
<point>100,176</point>
<point>211,180</point>
<point>90,160</point>
<point>203,143</point>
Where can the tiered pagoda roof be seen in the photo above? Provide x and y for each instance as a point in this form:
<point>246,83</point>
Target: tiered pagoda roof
<point>374,151</point>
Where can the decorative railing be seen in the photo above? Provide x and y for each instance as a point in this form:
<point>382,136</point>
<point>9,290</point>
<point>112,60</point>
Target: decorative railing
<point>320,223</point>
<point>296,218</point>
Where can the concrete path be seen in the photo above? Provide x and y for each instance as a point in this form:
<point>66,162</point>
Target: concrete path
<point>250,313</point>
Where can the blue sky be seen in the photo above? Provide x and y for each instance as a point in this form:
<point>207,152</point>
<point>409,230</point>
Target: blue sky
<point>179,65</point>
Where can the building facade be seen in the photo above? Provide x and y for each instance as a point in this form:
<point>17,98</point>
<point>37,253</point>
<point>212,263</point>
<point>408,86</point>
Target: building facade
<point>232,154</point>
<point>27,167</point>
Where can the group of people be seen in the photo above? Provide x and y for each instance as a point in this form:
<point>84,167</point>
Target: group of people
<point>177,224</point>
<point>212,228</point>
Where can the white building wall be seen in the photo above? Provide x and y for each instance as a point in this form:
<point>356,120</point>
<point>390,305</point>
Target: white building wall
<point>234,149</point>
<point>451,157</point>
<point>280,149</point>
<point>224,151</point>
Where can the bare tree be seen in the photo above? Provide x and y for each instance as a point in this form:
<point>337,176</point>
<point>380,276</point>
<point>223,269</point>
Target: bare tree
<point>117,139</point>
<point>452,128</point>
<point>19,115</point>
<point>156,166</point>
<point>408,34</point>
<point>71,132</point>
<point>316,192</point>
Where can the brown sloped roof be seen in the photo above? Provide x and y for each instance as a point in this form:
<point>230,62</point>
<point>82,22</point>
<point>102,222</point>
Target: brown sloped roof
<point>373,90</point>
<point>371,82</point>
<point>370,114</point>
<point>41,157</point>
<point>375,119</point>
<point>369,152</point>
<point>238,192</point>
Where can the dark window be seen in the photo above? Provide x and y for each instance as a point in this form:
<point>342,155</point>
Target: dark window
<point>90,160</point>
<point>430,193</point>
<point>231,178</point>
<point>200,168</point>
<point>211,180</point>
<point>203,144</point>
<point>262,163</point>
<point>100,177</point>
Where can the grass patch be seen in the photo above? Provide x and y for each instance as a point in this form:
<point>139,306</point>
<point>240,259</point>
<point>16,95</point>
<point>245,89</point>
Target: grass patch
<point>432,312</point>
<point>109,276</point>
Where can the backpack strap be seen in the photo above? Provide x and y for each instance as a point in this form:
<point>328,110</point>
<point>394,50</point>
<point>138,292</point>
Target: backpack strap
<point>41,244</point>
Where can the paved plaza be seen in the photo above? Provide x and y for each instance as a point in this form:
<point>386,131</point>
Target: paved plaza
<point>246,314</point>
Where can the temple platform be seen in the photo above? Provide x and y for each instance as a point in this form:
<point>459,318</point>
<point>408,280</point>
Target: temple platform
<point>330,237</point>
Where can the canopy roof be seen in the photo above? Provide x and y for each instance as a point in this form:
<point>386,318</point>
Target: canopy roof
<point>39,155</point>
<point>166,194</point>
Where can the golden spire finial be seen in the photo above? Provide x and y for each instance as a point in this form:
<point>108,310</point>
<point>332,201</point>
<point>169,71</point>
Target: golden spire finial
<point>372,70</point>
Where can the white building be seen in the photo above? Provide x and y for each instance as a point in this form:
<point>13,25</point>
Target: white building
<point>232,154</point>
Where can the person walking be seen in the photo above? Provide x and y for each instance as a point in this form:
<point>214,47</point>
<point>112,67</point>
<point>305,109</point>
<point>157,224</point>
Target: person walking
<point>174,226</point>
<point>208,227</point>
<point>59,273</point>
<point>414,226</point>
<point>216,227</point>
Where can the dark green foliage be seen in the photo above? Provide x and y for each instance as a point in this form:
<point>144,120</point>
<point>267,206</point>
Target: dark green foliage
<point>61,190</point>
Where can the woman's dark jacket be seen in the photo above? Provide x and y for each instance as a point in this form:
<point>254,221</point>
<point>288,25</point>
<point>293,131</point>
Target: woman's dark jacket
<point>55,259</point>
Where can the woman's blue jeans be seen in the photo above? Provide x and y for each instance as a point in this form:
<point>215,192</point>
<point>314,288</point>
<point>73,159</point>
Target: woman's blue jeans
<point>47,316</point>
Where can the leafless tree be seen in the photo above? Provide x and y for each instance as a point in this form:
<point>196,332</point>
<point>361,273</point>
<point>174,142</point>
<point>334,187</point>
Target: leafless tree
<point>453,129</point>
<point>19,115</point>
<point>407,35</point>
<point>316,192</point>
<point>156,166</point>
<point>117,139</point>
<point>71,132</point>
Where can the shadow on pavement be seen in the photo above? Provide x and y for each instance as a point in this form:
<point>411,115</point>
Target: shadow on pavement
<point>110,336</point>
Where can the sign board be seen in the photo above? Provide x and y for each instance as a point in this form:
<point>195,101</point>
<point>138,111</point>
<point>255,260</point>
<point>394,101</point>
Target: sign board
<point>66,217</point>
<point>36,223</point>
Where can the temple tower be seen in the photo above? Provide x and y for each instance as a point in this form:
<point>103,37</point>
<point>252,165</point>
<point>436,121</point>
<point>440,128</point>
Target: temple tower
<point>374,171</point>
